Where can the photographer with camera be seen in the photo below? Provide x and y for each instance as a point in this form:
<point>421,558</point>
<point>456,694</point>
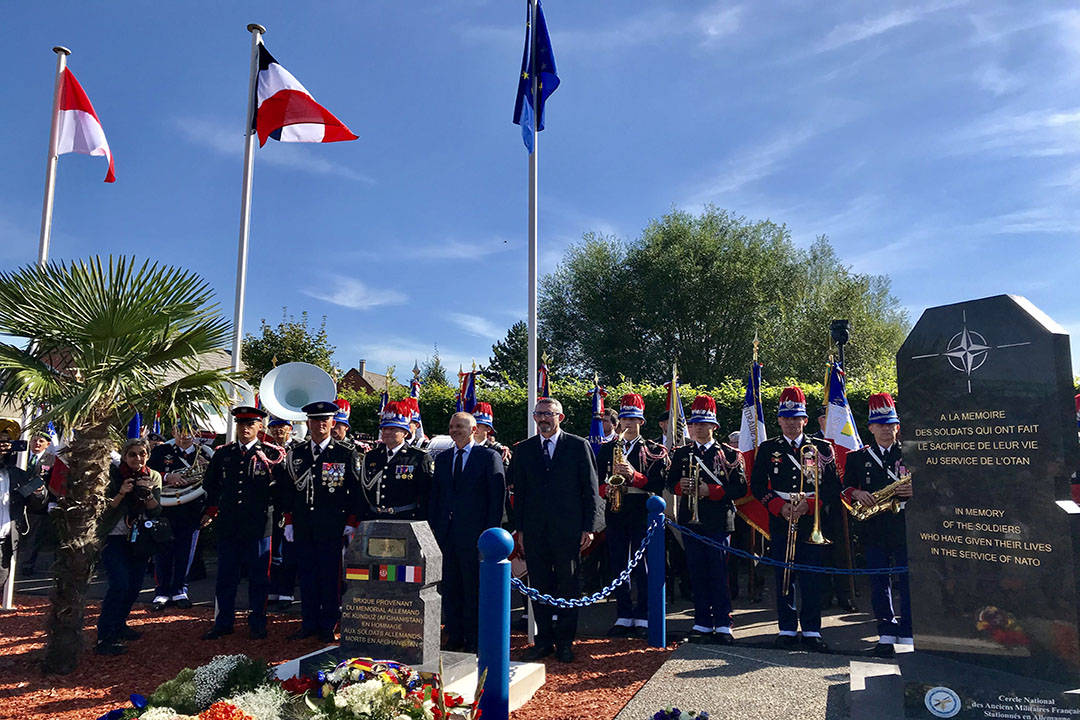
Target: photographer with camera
<point>20,493</point>
<point>129,523</point>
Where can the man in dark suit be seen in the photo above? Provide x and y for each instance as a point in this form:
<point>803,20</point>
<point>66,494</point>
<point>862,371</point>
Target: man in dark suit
<point>556,511</point>
<point>466,499</point>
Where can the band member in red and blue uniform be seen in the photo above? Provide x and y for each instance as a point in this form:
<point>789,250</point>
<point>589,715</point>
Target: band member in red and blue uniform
<point>722,480</point>
<point>319,490</point>
<point>238,484</point>
<point>397,476</point>
<point>171,565</point>
<point>883,536</point>
<point>776,473</point>
<point>643,470</point>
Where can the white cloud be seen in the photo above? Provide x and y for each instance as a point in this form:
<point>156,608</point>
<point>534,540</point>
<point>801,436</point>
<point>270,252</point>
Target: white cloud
<point>852,32</point>
<point>213,136</point>
<point>351,293</point>
<point>996,80</point>
<point>457,250</point>
<point>477,325</point>
<point>401,353</point>
<point>1023,133</point>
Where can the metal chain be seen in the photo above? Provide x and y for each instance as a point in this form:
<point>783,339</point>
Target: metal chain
<point>780,563</point>
<point>623,577</point>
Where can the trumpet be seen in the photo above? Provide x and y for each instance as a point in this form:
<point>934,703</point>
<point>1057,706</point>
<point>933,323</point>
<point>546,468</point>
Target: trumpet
<point>616,484</point>
<point>809,456</point>
<point>885,499</point>
<point>694,500</point>
<point>793,529</point>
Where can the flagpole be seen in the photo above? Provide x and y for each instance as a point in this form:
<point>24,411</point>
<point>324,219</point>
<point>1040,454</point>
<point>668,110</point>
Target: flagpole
<point>256,31</point>
<point>50,165</point>
<point>534,202</point>
<point>43,257</point>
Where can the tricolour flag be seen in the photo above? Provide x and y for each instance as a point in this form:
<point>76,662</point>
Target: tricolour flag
<point>134,428</point>
<point>384,398</point>
<point>412,573</point>
<point>678,433</point>
<point>751,434</point>
<point>596,427</point>
<point>79,129</point>
<point>538,46</point>
<point>388,572</point>
<point>839,422</point>
<point>414,392</point>
<point>466,399</point>
<point>286,111</point>
<point>357,573</point>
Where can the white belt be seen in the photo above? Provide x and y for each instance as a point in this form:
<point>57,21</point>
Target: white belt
<point>637,491</point>
<point>787,496</point>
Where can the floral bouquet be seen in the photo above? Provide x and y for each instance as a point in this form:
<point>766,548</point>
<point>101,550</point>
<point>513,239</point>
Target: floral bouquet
<point>674,713</point>
<point>1001,626</point>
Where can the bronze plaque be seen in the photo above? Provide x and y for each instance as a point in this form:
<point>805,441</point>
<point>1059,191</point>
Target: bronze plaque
<point>392,548</point>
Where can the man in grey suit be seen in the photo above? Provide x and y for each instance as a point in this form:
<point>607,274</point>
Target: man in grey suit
<point>556,511</point>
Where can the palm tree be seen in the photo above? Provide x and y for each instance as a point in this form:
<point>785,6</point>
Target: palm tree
<point>98,342</point>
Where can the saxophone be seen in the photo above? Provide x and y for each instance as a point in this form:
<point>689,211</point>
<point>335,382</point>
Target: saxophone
<point>616,484</point>
<point>885,499</point>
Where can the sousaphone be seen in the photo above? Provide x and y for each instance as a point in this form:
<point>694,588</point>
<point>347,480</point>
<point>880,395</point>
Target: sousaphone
<point>289,387</point>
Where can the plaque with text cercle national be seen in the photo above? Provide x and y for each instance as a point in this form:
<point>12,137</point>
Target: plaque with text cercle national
<point>989,433</point>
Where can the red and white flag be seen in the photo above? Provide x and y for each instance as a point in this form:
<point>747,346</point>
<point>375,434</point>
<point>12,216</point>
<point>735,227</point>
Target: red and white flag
<point>79,129</point>
<point>286,111</point>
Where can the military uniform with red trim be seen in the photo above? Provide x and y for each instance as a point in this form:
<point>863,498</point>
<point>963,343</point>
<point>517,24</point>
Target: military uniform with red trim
<point>775,477</point>
<point>626,527</point>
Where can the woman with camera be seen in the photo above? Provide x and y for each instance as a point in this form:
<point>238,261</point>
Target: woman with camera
<point>134,496</point>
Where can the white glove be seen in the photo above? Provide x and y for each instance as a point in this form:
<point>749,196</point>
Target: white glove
<point>349,531</point>
<point>288,533</point>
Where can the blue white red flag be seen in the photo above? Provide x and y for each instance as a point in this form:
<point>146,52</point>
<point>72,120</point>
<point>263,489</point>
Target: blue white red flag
<point>839,421</point>
<point>542,388</point>
<point>677,433</point>
<point>54,438</point>
<point>156,427</point>
<point>383,400</point>
<point>466,400</point>
<point>286,111</point>
<point>414,391</point>
<point>596,428</point>
<point>751,434</point>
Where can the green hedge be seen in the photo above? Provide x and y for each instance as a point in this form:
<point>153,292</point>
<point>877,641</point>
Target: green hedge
<point>509,404</point>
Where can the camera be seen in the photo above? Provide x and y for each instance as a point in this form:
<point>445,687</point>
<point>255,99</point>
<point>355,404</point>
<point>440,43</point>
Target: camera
<point>142,492</point>
<point>13,446</point>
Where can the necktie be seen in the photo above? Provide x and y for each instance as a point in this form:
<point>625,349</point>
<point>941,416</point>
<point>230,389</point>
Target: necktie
<point>547,453</point>
<point>316,451</point>
<point>458,463</point>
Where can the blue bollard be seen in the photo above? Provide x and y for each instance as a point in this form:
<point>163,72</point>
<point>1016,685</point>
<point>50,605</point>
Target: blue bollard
<point>657,563</point>
<point>493,651</point>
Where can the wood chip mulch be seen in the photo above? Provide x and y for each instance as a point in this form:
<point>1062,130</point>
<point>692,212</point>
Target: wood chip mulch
<point>604,677</point>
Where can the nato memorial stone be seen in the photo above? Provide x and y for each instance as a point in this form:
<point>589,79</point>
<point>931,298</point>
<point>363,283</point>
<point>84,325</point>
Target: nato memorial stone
<point>985,399</point>
<point>391,609</point>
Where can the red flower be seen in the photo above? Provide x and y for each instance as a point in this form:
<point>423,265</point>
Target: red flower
<point>299,684</point>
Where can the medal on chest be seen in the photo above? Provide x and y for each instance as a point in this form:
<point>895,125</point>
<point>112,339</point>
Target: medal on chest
<point>333,475</point>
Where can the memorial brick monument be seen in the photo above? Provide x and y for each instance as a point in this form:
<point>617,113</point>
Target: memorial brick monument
<point>990,437</point>
<point>391,608</point>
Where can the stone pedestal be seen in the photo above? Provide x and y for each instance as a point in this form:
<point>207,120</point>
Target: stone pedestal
<point>391,608</point>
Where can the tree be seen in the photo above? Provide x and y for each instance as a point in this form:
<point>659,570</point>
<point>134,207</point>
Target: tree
<point>99,341</point>
<point>291,341</point>
<point>432,371</point>
<point>697,288</point>
<point>510,356</point>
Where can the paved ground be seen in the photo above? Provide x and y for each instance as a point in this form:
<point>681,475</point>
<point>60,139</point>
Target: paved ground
<point>747,682</point>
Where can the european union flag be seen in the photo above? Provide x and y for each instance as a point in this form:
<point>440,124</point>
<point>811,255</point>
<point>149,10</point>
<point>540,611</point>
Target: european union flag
<point>537,58</point>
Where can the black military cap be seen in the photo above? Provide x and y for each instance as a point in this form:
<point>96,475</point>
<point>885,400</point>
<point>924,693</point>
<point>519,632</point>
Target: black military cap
<point>320,409</point>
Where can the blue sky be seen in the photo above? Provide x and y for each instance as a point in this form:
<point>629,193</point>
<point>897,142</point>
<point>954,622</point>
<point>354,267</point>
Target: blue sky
<point>937,142</point>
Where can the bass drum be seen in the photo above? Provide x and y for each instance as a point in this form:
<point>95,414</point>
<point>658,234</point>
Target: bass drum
<point>439,444</point>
